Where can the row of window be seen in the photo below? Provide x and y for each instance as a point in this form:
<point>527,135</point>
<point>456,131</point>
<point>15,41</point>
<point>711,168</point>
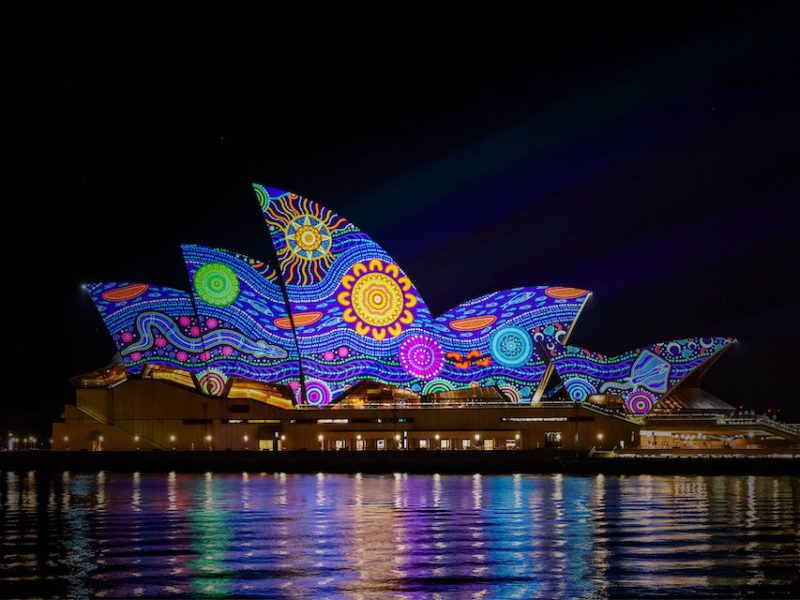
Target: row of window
<point>420,444</point>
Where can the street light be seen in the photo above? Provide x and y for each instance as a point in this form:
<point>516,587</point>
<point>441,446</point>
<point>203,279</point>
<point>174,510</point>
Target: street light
<point>172,441</point>
<point>245,439</point>
<point>100,440</point>
<point>321,439</point>
<point>208,441</point>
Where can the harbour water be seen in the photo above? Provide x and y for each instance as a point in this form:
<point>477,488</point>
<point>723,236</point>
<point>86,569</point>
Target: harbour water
<point>279,535</point>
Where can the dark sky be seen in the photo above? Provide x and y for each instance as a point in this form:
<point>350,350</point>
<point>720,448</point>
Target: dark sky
<point>649,156</point>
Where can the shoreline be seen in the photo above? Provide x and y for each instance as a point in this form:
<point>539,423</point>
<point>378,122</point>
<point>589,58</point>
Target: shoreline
<point>407,461</point>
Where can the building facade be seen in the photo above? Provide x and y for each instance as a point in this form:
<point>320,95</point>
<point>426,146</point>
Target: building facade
<point>153,412</point>
<point>147,414</point>
<point>331,347</point>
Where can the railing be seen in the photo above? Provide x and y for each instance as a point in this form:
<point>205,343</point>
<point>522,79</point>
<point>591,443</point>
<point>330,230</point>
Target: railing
<point>667,416</point>
<point>414,405</point>
<point>789,428</point>
<point>467,404</point>
<point>605,411</point>
<point>785,427</point>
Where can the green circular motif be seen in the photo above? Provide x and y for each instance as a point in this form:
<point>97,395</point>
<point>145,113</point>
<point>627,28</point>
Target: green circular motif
<point>437,385</point>
<point>216,284</point>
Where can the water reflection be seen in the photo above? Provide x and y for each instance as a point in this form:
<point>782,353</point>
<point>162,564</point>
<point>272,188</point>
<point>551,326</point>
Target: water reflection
<point>249,534</point>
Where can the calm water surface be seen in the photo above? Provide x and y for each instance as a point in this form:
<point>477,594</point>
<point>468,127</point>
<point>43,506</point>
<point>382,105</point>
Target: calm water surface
<point>277,535</point>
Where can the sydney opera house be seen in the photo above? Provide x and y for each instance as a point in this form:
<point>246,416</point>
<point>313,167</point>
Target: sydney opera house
<point>329,346</point>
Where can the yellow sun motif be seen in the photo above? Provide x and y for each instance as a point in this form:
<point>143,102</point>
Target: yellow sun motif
<point>377,299</point>
<point>308,238</point>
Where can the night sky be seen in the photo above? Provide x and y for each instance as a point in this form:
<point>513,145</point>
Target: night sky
<point>649,157</point>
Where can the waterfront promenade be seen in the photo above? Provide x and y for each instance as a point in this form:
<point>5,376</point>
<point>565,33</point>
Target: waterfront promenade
<point>521,461</point>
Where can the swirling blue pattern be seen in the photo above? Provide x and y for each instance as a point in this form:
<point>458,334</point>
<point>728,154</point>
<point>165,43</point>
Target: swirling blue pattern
<point>255,347</point>
<point>347,311</point>
<point>579,389</point>
<point>120,316</point>
<point>148,322</point>
<point>654,370</point>
<point>252,337</point>
<point>334,353</point>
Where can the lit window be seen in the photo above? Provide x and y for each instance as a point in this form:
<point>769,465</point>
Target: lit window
<point>552,439</point>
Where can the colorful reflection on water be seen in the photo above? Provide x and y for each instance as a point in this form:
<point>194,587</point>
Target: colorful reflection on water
<point>287,536</point>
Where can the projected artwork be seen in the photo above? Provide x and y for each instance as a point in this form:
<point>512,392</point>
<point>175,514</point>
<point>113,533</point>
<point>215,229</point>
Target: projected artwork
<point>351,313</point>
<point>488,341</point>
<point>370,322</point>
<point>242,319</point>
<point>228,331</point>
<point>150,324</point>
<point>640,377</point>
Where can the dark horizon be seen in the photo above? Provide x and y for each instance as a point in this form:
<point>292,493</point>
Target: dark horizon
<point>650,160</point>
